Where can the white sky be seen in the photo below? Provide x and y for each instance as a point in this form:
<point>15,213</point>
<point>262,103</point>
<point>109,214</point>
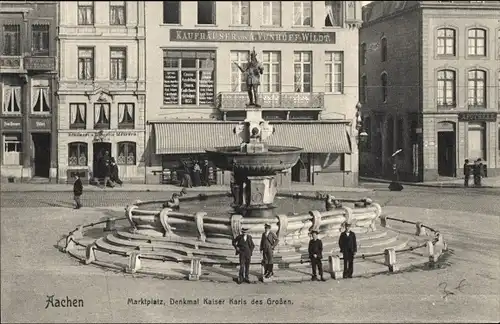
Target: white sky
<point>365,2</point>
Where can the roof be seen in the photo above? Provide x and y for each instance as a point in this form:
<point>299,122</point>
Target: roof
<point>380,9</point>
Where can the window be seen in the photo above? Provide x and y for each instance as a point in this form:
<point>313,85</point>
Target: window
<point>126,115</point>
<point>78,116</point>
<point>271,13</point>
<point>85,63</point>
<point>77,154</point>
<point>363,93</point>
<point>126,153</point>
<point>117,13</point>
<point>101,116</point>
<point>333,16</point>
<point>362,55</point>
<point>85,12</point>
<point>302,13</point>
<point>40,40</point>
<point>40,98</point>
<point>272,72</point>
<point>383,49</point>
<point>118,64</point>
<point>206,12</point>
<point>11,100</point>
<point>172,12</point>
<point>238,80</point>
<point>383,81</point>
<point>476,90</point>
<point>446,41</point>
<point>11,40</point>
<point>240,13</point>
<point>188,77</point>
<point>334,79</point>
<point>13,149</point>
<point>476,42</point>
<point>446,96</point>
<point>302,71</point>
<point>476,138</point>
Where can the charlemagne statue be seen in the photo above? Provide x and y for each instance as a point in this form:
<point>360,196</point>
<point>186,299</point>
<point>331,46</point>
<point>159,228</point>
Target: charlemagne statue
<point>253,71</point>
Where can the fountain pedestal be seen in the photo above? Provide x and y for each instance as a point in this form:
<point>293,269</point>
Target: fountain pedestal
<point>259,197</point>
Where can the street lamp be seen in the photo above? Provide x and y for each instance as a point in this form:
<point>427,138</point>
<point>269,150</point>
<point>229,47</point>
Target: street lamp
<point>361,135</point>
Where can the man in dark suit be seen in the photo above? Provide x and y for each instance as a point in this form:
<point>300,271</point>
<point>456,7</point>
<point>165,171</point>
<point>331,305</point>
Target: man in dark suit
<point>466,173</point>
<point>77,191</point>
<point>268,242</point>
<point>315,255</point>
<point>348,248</point>
<point>244,246</point>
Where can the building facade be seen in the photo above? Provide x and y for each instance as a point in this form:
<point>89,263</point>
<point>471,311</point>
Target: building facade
<point>196,91</point>
<point>28,77</point>
<point>429,83</point>
<point>101,88</point>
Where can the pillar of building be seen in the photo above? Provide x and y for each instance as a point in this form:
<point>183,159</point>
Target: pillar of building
<point>53,137</point>
<point>25,108</point>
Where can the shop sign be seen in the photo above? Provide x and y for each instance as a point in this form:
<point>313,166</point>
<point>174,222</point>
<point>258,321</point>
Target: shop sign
<point>251,36</point>
<point>40,123</point>
<point>12,123</point>
<point>93,134</point>
<point>477,116</point>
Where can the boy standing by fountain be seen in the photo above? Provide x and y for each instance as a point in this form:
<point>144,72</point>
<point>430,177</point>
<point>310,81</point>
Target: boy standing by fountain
<point>244,246</point>
<point>268,242</point>
<point>348,248</point>
<point>316,254</point>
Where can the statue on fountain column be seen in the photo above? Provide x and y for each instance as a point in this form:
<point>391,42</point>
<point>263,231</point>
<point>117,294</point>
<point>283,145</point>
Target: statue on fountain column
<point>253,70</point>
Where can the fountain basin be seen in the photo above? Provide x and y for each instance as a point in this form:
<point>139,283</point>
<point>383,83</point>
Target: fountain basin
<point>274,159</point>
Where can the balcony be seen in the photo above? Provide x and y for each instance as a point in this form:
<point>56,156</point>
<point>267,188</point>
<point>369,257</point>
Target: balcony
<point>40,63</point>
<point>231,101</point>
<point>11,64</point>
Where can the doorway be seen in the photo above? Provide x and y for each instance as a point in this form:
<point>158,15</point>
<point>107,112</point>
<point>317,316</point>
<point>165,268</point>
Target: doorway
<point>100,150</point>
<point>301,172</point>
<point>446,154</point>
<point>41,154</point>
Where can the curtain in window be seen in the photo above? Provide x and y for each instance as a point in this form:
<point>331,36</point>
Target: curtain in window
<point>45,99</point>
<point>330,19</point>
<point>17,99</point>
<point>6,99</point>
<point>97,114</point>
<point>298,15</point>
<point>105,110</point>
<point>121,113</point>
<point>85,15</point>
<point>36,94</point>
<point>129,113</point>
<point>118,15</point>
<point>74,110</point>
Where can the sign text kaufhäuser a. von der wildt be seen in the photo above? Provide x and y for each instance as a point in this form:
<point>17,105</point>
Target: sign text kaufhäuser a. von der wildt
<point>250,36</point>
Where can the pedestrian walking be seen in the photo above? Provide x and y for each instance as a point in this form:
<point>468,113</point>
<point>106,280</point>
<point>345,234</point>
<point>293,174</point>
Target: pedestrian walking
<point>244,246</point>
<point>77,191</point>
<point>196,174</point>
<point>348,248</point>
<point>466,172</point>
<point>478,172</point>
<point>315,255</point>
<point>205,174</point>
<point>268,242</point>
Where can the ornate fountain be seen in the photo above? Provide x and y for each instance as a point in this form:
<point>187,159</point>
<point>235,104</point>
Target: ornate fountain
<point>185,230</point>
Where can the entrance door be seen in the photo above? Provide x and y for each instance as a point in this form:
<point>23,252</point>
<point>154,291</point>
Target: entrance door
<point>446,154</point>
<point>100,150</point>
<point>41,154</point>
<point>301,170</point>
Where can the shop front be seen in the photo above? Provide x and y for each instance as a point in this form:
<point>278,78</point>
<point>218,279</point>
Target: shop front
<point>325,161</point>
<point>81,151</point>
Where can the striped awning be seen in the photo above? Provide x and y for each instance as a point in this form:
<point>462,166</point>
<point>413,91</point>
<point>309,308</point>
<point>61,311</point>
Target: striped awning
<point>196,137</point>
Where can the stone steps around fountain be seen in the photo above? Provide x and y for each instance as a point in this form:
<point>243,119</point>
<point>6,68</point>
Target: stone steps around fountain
<point>111,243</point>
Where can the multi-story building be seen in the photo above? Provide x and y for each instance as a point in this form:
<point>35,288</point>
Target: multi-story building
<point>196,92</point>
<point>102,87</point>
<point>429,83</point>
<point>28,77</point>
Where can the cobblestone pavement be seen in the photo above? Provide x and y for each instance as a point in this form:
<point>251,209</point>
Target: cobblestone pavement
<point>481,200</point>
<point>464,290</point>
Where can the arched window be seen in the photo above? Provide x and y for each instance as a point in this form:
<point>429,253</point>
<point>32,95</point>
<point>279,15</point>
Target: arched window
<point>446,95</point>
<point>363,93</point>
<point>446,42</point>
<point>363,54</point>
<point>77,154</point>
<point>126,153</point>
<point>476,42</point>
<point>476,88</point>
<point>384,86</point>
<point>383,49</point>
